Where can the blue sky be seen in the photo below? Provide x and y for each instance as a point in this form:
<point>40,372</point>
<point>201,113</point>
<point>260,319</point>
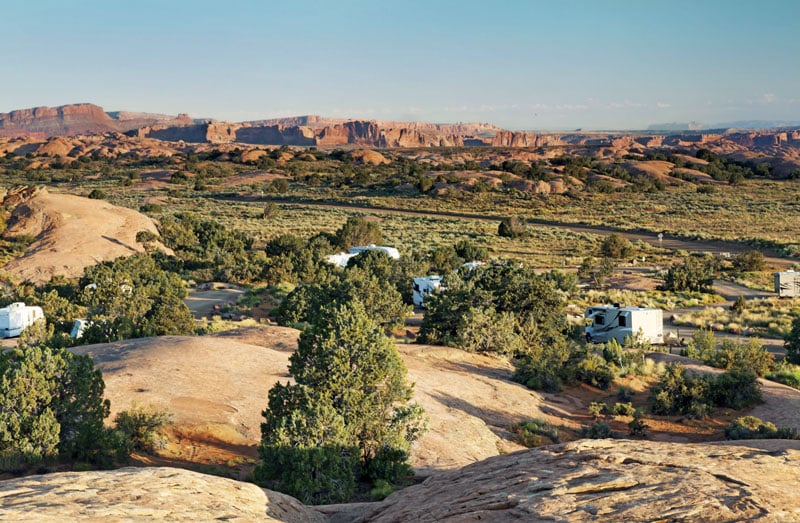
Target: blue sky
<point>601,64</point>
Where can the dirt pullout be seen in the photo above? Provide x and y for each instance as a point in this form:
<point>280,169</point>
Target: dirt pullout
<point>219,385</point>
<point>72,233</point>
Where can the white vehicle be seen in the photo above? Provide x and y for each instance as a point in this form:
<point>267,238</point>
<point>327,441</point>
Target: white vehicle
<point>343,258</point>
<point>390,251</point>
<point>613,321</point>
<point>17,317</point>
<point>787,284</point>
<point>78,327</point>
<point>424,287</point>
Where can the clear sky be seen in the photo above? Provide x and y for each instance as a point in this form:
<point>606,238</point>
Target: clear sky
<point>555,64</point>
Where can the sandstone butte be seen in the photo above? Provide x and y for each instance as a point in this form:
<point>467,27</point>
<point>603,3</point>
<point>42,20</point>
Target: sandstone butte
<point>587,480</point>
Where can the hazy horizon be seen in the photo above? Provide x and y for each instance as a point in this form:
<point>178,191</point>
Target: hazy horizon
<point>519,65</point>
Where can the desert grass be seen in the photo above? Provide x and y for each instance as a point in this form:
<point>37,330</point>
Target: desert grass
<point>770,317</point>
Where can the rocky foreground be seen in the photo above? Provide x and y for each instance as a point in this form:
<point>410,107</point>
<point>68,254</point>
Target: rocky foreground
<point>597,480</point>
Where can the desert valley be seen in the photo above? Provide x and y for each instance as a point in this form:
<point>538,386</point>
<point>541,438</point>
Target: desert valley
<point>421,261</point>
<point>196,252</point>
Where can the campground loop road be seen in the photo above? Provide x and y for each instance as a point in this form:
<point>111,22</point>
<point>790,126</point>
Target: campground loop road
<point>668,241</point>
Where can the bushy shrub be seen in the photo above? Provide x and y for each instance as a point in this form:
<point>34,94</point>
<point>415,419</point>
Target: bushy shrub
<point>792,342</point>
<point>598,408</point>
<point>637,427</point>
<point>141,425</point>
<point>683,392</point>
<point>534,433</point>
<point>594,371</point>
<point>749,261</point>
<point>731,354</point>
<point>750,427</point>
<point>348,415</point>
<point>511,227</point>
<point>694,275</point>
<point>623,409</point>
<point>599,430</point>
<point>616,246</point>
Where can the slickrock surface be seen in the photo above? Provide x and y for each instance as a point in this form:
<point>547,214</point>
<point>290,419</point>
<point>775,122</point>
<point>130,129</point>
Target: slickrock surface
<point>587,480</point>
<point>607,481</point>
<point>222,382</point>
<point>144,494</point>
<point>72,233</point>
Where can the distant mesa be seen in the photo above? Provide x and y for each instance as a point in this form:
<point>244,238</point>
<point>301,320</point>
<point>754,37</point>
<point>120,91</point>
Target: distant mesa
<point>78,119</point>
<point>43,123</point>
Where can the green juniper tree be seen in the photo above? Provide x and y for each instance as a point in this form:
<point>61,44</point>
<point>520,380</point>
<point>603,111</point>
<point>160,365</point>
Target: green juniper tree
<point>349,413</point>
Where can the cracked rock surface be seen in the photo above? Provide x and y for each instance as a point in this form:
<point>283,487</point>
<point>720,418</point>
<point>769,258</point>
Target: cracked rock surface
<point>587,480</point>
<point>609,480</point>
<point>144,494</point>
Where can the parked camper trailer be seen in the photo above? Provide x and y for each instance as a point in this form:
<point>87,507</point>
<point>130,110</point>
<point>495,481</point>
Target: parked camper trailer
<point>78,327</point>
<point>343,258</point>
<point>390,251</point>
<point>613,321</point>
<point>787,284</point>
<point>424,287</point>
<point>17,317</point>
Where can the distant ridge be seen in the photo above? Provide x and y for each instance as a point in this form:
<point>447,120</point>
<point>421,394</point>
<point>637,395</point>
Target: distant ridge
<point>739,124</point>
<point>77,119</point>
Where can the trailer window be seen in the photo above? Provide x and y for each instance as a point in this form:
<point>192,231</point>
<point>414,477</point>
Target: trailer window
<point>599,319</point>
<point>623,321</point>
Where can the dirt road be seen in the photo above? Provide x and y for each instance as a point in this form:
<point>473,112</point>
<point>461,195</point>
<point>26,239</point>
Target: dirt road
<point>666,241</point>
<point>201,302</point>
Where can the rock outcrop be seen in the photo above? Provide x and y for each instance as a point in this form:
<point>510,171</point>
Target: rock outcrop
<point>71,233</point>
<point>76,119</point>
<point>145,494</point>
<point>586,480</point>
<point>57,121</point>
<point>608,481</point>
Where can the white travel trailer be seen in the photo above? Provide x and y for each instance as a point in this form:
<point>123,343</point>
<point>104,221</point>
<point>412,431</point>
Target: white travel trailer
<point>78,327</point>
<point>787,284</point>
<point>613,321</point>
<point>390,251</point>
<point>424,287</point>
<point>343,258</point>
<point>17,317</point>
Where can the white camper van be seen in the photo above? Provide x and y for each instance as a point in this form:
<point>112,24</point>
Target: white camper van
<point>787,284</point>
<point>16,318</point>
<point>423,287</point>
<point>613,321</point>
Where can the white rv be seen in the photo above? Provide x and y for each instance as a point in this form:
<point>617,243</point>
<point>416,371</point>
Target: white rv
<point>390,251</point>
<point>424,287</point>
<point>343,258</point>
<point>613,321</point>
<point>17,317</point>
<point>787,284</point>
<point>78,327</point>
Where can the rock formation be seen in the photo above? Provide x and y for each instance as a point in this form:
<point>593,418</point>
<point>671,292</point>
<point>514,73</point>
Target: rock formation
<point>75,119</point>
<point>71,233</point>
<point>586,480</point>
<point>609,481</point>
<point>145,494</point>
